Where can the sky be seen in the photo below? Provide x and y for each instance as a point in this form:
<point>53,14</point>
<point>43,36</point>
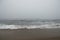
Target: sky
<point>23,9</point>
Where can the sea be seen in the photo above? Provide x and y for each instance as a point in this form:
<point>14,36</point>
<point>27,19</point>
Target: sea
<point>30,24</point>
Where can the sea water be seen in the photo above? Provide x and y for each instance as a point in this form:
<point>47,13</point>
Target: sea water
<point>29,24</point>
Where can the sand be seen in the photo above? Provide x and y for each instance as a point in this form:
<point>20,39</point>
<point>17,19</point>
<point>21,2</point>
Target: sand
<point>30,34</point>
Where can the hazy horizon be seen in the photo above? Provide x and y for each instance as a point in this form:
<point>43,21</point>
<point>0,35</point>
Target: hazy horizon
<point>29,9</point>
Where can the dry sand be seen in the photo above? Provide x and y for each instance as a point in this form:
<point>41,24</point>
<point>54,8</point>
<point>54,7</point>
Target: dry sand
<point>31,34</point>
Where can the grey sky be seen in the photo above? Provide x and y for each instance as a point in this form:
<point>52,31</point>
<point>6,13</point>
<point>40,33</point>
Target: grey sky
<point>43,9</point>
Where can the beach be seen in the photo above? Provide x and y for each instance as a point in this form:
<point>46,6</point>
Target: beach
<point>30,34</point>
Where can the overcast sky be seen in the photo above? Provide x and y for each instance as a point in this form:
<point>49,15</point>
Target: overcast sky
<point>43,9</point>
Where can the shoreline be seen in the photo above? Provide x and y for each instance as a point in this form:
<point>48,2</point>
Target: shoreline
<point>29,34</point>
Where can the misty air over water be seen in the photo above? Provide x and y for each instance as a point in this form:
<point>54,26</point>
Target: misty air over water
<point>17,14</point>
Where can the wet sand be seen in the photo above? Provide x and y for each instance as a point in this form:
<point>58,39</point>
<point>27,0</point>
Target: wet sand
<point>31,34</point>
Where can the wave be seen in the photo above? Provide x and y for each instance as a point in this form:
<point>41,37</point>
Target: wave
<point>44,26</point>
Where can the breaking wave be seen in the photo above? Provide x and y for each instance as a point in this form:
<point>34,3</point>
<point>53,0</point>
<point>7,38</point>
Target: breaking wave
<point>44,26</point>
<point>29,24</point>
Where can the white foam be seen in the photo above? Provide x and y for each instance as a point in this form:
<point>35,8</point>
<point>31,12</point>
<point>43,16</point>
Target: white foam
<point>45,26</point>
